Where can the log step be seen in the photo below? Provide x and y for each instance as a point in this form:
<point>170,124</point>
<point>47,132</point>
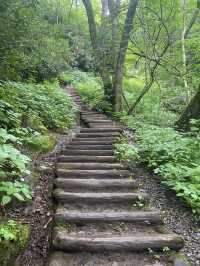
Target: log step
<point>94,115</point>
<point>98,135</point>
<point>99,121</point>
<point>89,147</point>
<point>96,118</point>
<point>96,139</point>
<point>89,112</point>
<point>98,197</point>
<point>96,125</point>
<point>143,217</point>
<point>92,142</point>
<point>98,130</point>
<point>86,158</point>
<point>91,166</point>
<point>89,152</point>
<point>107,174</point>
<point>63,241</point>
<point>95,184</point>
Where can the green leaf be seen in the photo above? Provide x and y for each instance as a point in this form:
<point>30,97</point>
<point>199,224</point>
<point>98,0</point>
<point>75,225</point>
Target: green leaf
<point>5,200</point>
<point>19,197</point>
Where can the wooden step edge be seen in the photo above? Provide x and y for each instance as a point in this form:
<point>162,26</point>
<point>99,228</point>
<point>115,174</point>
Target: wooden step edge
<point>90,166</point>
<point>93,173</point>
<point>95,183</point>
<point>97,135</point>
<point>63,241</point>
<point>86,158</point>
<point>111,129</point>
<point>68,152</point>
<point>98,197</point>
<point>97,138</point>
<point>93,142</point>
<point>142,217</point>
<point>89,147</point>
<point>99,121</point>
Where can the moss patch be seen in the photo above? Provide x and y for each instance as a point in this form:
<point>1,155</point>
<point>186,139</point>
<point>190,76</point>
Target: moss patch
<point>13,238</point>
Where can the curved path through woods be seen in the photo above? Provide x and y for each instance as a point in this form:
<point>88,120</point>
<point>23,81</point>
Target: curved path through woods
<point>97,215</point>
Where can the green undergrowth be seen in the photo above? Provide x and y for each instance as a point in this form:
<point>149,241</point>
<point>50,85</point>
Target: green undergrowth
<point>30,117</point>
<point>13,238</point>
<point>89,88</point>
<point>174,156</point>
<point>154,106</point>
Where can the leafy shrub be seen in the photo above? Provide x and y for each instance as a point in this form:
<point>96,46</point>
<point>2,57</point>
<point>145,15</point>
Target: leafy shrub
<point>47,103</point>
<point>8,117</point>
<point>125,151</point>
<point>174,157</point>
<point>13,190</point>
<point>12,161</point>
<point>27,112</point>
<point>13,237</point>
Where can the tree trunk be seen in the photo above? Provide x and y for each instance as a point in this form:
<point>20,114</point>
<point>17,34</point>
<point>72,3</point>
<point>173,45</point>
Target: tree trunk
<point>113,90</point>
<point>118,75</point>
<point>105,10</point>
<point>99,58</point>
<point>91,23</point>
<point>114,8</point>
<point>191,112</point>
<point>103,46</point>
<point>184,59</point>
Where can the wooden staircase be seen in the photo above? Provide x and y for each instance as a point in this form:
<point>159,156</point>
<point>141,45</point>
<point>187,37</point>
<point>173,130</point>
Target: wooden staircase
<point>94,192</point>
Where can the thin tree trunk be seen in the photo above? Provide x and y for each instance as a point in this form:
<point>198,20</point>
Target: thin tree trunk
<point>118,75</point>
<point>184,60</point>
<point>105,10</point>
<point>114,8</point>
<point>92,24</point>
<point>107,82</point>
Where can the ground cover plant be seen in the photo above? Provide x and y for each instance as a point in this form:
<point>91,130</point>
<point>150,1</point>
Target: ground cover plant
<point>30,115</point>
<point>173,155</point>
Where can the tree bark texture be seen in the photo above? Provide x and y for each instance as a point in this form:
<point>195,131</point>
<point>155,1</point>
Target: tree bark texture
<point>118,76</point>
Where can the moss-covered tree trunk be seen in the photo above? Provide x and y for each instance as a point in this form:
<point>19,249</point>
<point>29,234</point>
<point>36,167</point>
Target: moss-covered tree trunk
<point>191,112</point>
